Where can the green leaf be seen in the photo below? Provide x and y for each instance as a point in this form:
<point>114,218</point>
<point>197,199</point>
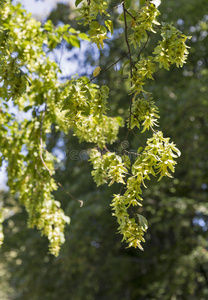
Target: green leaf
<point>74,41</point>
<point>77,2</point>
<point>142,2</point>
<point>143,222</point>
<point>96,72</point>
<point>72,30</point>
<point>48,25</point>
<point>140,149</point>
<point>109,25</point>
<point>83,36</point>
<point>126,63</point>
<point>128,4</point>
<point>128,17</point>
<point>120,121</point>
<point>27,108</point>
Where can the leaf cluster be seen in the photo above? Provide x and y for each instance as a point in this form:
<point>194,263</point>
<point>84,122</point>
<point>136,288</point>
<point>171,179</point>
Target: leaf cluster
<point>82,106</point>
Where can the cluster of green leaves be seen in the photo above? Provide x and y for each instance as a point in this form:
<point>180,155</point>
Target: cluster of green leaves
<point>80,105</point>
<point>89,14</point>
<point>86,112</point>
<point>143,22</point>
<point>158,157</point>
<point>172,49</point>
<point>65,32</point>
<point>30,166</point>
<point>144,113</point>
<point>107,167</point>
<point>106,129</point>
<point>38,91</point>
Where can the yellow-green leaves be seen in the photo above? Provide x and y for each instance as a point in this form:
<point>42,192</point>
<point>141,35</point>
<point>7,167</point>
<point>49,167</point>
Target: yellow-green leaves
<point>84,99</point>
<point>156,159</point>
<point>73,40</point>
<point>142,222</point>
<point>144,70</point>
<point>89,16</point>
<point>80,105</point>
<point>30,174</point>
<point>96,72</point>
<point>106,129</point>
<point>83,36</point>
<point>144,113</point>
<point>107,167</point>
<point>65,32</point>
<point>85,110</point>
<point>142,2</point>
<point>86,107</point>
<point>77,2</point>
<point>144,22</point>
<point>109,25</point>
<point>97,33</point>
<point>129,227</point>
<point>172,49</point>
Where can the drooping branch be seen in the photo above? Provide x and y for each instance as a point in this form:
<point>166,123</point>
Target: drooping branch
<point>130,57</point>
<point>127,42</point>
<point>126,10</point>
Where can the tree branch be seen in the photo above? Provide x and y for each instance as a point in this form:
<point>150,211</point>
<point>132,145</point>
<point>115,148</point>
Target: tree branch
<point>137,138</point>
<point>130,57</point>
<point>116,6</point>
<point>130,14</point>
<point>126,39</point>
<point>143,47</point>
<point>105,70</point>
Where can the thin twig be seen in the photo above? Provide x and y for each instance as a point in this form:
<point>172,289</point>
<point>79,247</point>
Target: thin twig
<point>153,130</point>
<point>36,168</point>
<point>126,39</point>
<point>130,57</point>
<point>137,138</point>
<point>115,7</point>
<point>130,14</point>
<point>105,70</point>
<point>129,152</point>
<point>108,12</point>
<point>81,202</point>
<point>129,129</point>
<point>121,189</point>
<point>143,47</point>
